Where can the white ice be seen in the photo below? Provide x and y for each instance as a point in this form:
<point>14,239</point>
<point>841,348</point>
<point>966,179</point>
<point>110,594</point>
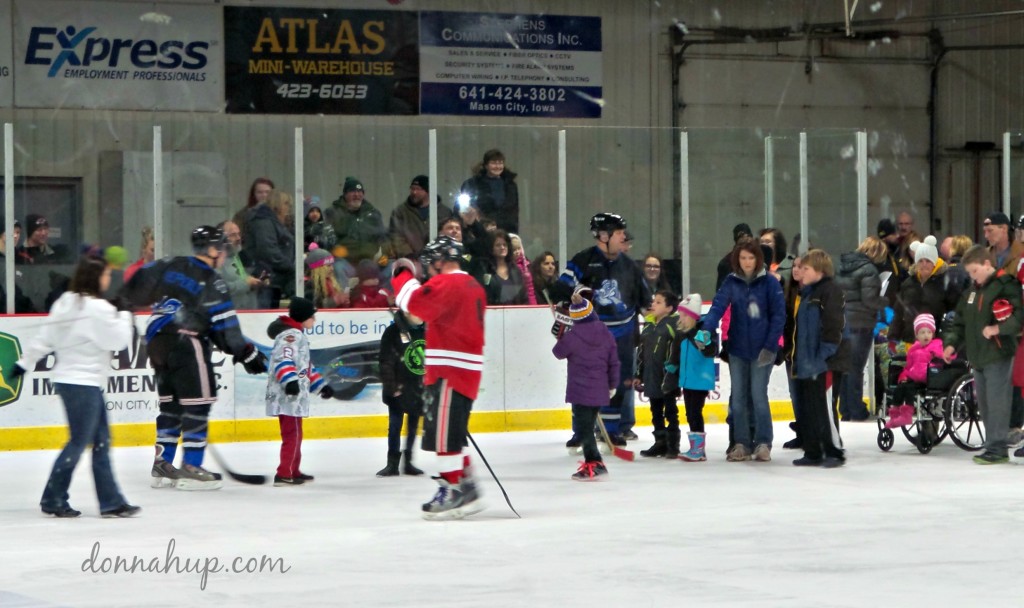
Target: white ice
<point>893,529</point>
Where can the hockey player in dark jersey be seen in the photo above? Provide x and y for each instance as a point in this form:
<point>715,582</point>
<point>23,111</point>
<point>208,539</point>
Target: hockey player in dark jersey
<point>620,294</point>
<point>191,313</point>
<point>452,304</point>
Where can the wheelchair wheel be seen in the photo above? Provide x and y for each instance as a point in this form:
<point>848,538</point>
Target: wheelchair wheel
<point>929,438</point>
<point>963,420</point>
<point>885,439</point>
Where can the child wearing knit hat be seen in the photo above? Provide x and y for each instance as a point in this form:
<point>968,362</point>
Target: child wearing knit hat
<point>693,358</point>
<point>914,376</point>
<point>593,375</point>
<point>322,286</point>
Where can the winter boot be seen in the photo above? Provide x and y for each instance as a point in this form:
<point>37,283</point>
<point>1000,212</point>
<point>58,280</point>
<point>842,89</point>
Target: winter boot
<point>392,469</point>
<point>696,451</point>
<point>672,451</point>
<point>660,445</point>
<point>407,466</point>
<point>590,471</point>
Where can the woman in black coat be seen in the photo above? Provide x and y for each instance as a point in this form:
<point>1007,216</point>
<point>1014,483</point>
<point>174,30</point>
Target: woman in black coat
<point>493,191</point>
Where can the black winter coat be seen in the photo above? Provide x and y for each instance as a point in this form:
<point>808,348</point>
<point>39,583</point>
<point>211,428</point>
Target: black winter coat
<point>938,295</point>
<point>859,280</point>
<point>479,190</point>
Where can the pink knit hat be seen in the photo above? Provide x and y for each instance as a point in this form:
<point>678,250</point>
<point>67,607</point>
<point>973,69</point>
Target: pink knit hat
<point>924,320</point>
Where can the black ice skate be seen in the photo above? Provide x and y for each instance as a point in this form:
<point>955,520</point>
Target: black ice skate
<point>192,478</point>
<point>125,510</point>
<point>453,501</point>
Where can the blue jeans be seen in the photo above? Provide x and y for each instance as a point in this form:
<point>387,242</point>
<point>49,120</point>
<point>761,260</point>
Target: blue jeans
<point>87,423</point>
<point>750,386</point>
<point>851,395</point>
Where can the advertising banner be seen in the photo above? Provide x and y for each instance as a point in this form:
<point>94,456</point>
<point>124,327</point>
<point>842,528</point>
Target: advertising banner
<point>127,56</point>
<point>322,61</point>
<point>6,56</point>
<point>484,64</point>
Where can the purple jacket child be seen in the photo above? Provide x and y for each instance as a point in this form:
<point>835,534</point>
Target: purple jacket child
<point>593,361</point>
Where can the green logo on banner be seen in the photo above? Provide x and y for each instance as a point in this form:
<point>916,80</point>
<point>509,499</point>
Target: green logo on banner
<point>10,352</point>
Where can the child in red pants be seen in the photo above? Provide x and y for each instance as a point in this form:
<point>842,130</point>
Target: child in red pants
<point>291,380</point>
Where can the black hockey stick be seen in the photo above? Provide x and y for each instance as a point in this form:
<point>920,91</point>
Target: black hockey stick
<point>253,480</point>
<point>507,501</point>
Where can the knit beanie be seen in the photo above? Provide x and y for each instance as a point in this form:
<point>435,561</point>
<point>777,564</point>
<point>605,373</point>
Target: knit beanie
<point>318,257</point>
<point>691,305</point>
<point>581,311</point>
<point>367,270</point>
<point>422,181</point>
<point>33,222</point>
<point>301,309</point>
<point>741,230</point>
<point>924,320</point>
<point>925,250</point>
<point>311,203</point>
<point>352,184</point>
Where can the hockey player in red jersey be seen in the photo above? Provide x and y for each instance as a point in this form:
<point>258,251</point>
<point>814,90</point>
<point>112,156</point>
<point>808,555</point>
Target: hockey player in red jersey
<point>452,304</point>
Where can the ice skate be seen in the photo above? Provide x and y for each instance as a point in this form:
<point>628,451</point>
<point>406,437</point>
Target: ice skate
<point>193,478</point>
<point>453,501</point>
<point>125,510</point>
<point>280,482</point>
<point>590,471</point>
<point>164,474</point>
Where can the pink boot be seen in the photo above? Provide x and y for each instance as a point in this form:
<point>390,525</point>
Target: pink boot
<point>900,415</point>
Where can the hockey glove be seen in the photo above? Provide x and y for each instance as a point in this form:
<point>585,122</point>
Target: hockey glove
<point>765,357</point>
<point>1002,309</point>
<point>292,388</point>
<point>326,392</point>
<point>403,265</point>
<point>252,360</point>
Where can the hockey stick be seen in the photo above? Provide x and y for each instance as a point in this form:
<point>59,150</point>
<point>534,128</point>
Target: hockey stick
<point>253,480</point>
<point>622,453</point>
<point>487,464</point>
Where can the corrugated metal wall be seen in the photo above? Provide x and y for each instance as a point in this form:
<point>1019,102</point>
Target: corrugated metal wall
<point>618,162</point>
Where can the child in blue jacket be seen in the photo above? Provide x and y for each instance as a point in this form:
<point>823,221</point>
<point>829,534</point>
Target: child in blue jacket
<point>694,359</point>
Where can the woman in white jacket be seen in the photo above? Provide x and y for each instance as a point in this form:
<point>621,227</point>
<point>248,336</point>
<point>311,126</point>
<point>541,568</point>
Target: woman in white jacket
<point>82,330</point>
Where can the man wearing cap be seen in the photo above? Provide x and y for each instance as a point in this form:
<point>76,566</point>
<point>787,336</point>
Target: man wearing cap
<point>996,228</point>
<point>725,264</point>
<point>358,225</point>
<point>22,304</point>
<point>889,235</point>
<point>409,225</point>
<point>37,249</point>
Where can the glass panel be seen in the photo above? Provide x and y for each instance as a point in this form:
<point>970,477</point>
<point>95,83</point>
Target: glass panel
<point>832,191</point>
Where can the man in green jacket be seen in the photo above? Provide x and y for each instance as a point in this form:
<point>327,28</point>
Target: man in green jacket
<point>358,225</point>
<point>988,323</point>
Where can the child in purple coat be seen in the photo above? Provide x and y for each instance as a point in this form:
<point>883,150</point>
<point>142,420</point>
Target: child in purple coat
<point>593,376</point>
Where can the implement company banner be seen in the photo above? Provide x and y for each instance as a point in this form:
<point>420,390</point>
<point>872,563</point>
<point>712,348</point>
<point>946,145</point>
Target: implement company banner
<point>323,61</point>
<point>130,56</point>
<point>482,64</point>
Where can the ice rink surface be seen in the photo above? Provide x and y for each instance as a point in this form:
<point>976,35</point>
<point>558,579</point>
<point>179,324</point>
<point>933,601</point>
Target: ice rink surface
<point>893,529</point>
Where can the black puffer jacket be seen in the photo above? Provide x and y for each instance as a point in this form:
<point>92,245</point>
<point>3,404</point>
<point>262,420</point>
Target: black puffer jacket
<point>938,295</point>
<point>859,280</point>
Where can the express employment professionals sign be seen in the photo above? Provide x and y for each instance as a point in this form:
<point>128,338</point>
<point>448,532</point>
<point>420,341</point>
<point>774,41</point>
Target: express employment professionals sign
<point>6,56</point>
<point>144,56</point>
<point>326,61</point>
<point>510,65</point>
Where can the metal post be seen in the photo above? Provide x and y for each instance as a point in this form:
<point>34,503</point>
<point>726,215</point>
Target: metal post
<point>9,215</point>
<point>684,209</point>
<point>158,193</point>
<point>862,233</point>
<point>1006,175</point>
<point>804,231</point>
<point>563,216</point>
<point>300,199</point>
<point>769,182</point>
<point>432,176</point>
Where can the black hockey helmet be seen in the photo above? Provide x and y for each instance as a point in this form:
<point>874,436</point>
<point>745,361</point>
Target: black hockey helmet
<point>443,247</point>
<point>606,222</point>
<point>204,237</point>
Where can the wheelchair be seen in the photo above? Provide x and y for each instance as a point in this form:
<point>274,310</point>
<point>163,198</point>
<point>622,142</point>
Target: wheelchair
<point>946,406</point>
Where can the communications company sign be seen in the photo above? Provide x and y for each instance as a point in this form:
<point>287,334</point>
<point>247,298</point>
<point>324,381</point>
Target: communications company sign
<point>116,55</point>
<point>484,64</point>
<point>323,61</point>
<point>6,56</point>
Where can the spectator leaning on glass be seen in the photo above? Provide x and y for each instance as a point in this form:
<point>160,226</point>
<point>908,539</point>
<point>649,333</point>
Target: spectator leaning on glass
<point>758,316</point>
<point>409,225</point>
<point>493,191</point>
